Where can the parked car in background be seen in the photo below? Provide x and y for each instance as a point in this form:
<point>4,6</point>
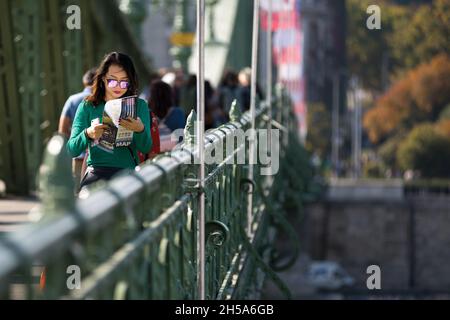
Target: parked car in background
<point>328,275</point>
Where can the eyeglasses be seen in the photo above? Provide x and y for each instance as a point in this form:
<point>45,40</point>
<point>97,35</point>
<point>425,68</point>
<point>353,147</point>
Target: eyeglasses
<point>112,83</point>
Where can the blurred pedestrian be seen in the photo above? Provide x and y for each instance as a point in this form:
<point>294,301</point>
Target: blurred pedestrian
<point>214,116</point>
<point>188,100</point>
<point>170,117</point>
<point>67,116</point>
<point>145,94</point>
<point>245,81</point>
<point>227,91</point>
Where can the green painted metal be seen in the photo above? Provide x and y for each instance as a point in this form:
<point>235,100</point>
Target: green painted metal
<point>136,236</point>
<point>28,44</point>
<point>56,182</point>
<point>181,24</point>
<point>235,111</point>
<point>12,153</point>
<point>135,10</point>
<point>41,64</point>
<point>242,33</point>
<point>73,55</point>
<point>53,73</point>
<point>209,4</point>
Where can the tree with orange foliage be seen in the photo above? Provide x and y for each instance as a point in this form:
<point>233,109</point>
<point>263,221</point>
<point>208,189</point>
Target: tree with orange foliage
<point>420,96</point>
<point>443,127</point>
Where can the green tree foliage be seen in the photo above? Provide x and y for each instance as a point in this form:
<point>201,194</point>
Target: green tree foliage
<point>445,114</point>
<point>388,151</point>
<point>410,35</point>
<point>426,150</point>
<point>368,49</point>
<point>412,50</point>
<point>423,35</point>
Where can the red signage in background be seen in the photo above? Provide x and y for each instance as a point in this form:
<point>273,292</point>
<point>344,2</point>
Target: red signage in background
<point>287,46</point>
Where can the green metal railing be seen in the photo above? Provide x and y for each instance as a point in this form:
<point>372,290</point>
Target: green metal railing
<point>41,63</point>
<point>135,237</point>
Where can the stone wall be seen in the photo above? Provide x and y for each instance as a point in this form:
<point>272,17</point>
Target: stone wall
<point>409,239</point>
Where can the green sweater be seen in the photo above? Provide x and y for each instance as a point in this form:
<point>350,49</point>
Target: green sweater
<point>121,157</point>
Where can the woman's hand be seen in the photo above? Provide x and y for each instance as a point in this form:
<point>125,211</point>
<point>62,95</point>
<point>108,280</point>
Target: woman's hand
<point>135,125</point>
<point>95,131</point>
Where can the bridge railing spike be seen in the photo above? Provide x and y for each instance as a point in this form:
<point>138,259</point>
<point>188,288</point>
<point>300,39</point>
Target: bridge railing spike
<point>56,185</point>
<point>235,111</point>
<point>189,129</point>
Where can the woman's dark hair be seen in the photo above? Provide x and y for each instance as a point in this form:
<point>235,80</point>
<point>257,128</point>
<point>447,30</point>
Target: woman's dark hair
<point>229,78</point>
<point>160,98</point>
<point>88,77</point>
<point>113,58</point>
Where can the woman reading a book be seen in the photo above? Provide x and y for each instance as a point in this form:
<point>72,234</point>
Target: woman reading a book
<point>115,78</point>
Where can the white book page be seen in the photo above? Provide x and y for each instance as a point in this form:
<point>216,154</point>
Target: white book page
<point>113,108</point>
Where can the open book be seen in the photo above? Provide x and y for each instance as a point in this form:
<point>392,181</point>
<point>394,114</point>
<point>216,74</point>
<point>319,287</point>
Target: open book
<point>116,135</point>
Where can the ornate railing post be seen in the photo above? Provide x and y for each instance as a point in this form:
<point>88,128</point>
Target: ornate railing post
<point>56,185</point>
<point>235,111</point>
<point>189,129</point>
